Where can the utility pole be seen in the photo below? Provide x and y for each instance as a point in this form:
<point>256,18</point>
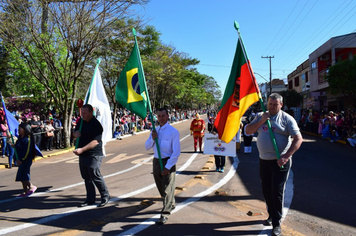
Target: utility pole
<point>270,74</point>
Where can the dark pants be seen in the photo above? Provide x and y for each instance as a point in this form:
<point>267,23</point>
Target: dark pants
<point>219,161</point>
<point>90,170</point>
<point>57,135</point>
<point>210,127</point>
<point>37,140</point>
<point>3,145</point>
<point>166,185</point>
<point>48,144</point>
<point>247,140</point>
<point>273,179</point>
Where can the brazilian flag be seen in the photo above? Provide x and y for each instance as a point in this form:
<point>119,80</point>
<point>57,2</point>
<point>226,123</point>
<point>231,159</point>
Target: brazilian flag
<point>131,91</point>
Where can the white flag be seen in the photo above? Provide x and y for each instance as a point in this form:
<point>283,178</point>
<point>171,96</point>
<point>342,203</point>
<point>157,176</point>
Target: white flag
<point>98,100</point>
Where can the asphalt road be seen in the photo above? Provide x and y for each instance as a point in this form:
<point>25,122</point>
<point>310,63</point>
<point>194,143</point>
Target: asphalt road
<point>319,199</point>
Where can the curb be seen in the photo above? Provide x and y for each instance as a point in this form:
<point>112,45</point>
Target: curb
<point>56,153</point>
<point>5,166</point>
<point>317,135</point>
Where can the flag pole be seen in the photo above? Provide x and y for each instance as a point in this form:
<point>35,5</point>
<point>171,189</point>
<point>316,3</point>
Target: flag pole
<point>86,100</point>
<point>273,139</point>
<point>12,137</point>
<point>148,101</point>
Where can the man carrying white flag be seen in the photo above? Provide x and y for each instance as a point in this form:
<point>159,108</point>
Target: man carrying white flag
<point>93,132</point>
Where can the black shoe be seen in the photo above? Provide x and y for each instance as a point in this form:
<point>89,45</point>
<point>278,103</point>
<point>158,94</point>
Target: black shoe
<point>276,231</point>
<point>161,220</point>
<point>103,202</point>
<point>86,203</point>
<point>268,222</point>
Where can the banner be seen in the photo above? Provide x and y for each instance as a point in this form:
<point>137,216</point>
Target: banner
<point>213,145</point>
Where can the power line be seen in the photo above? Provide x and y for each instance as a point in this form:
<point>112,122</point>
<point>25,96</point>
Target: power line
<point>318,43</point>
<point>316,33</point>
<point>281,27</point>
<point>290,26</point>
<point>255,68</point>
<point>285,21</point>
<point>295,29</point>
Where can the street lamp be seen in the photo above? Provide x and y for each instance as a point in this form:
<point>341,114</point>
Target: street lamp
<point>270,88</point>
<point>261,76</point>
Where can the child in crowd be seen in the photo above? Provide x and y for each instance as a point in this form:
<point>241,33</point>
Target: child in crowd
<point>117,133</point>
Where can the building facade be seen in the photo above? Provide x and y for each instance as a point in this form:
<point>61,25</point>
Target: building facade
<point>309,79</point>
<point>278,85</point>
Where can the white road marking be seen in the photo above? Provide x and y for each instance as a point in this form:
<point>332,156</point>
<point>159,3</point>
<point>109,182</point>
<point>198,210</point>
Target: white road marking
<point>61,215</point>
<point>61,160</point>
<point>122,157</point>
<point>147,223</point>
<point>81,183</point>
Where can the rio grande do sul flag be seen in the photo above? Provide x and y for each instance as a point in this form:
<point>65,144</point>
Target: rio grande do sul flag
<point>131,91</point>
<point>240,93</point>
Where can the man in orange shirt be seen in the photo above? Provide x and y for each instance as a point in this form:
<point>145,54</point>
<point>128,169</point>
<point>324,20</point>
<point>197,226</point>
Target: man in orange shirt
<point>197,128</point>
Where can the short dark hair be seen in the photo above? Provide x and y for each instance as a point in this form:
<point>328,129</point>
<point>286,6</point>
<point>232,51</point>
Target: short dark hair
<point>26,127</point>
<point>89,107</point>
<point>163,109</point>
<point>276,96</point>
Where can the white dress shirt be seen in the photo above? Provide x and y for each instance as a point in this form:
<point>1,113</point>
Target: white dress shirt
<point>169,144</point>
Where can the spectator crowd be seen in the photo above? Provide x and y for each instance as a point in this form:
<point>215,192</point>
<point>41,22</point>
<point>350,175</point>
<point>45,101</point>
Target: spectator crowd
<point>47,128</point>
<point>332,125</point>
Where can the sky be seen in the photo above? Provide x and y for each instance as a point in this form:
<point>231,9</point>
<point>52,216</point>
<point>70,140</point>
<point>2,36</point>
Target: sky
<point>288,30</point>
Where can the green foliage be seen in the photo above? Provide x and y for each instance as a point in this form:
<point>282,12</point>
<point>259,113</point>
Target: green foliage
<point>53,57</point>
<point>171,80</point>
<point>21,81</point>
<point>291,98</point>
<point>342,79</point>
<point>50,52</point>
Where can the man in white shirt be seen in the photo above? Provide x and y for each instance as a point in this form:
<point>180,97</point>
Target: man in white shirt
<point>169,144</point>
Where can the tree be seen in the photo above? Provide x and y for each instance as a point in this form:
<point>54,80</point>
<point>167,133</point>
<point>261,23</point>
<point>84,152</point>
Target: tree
<point>342,79</point>
<point>4,74</point>
<point>58,58</point>
<point>291,98</point>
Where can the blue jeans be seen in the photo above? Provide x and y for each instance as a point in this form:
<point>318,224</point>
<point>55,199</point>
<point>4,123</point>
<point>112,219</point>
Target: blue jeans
<point>10,150</point>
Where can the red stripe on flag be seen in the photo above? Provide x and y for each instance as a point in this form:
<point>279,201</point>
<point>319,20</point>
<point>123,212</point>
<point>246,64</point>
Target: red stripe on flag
<point>244,86</point>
